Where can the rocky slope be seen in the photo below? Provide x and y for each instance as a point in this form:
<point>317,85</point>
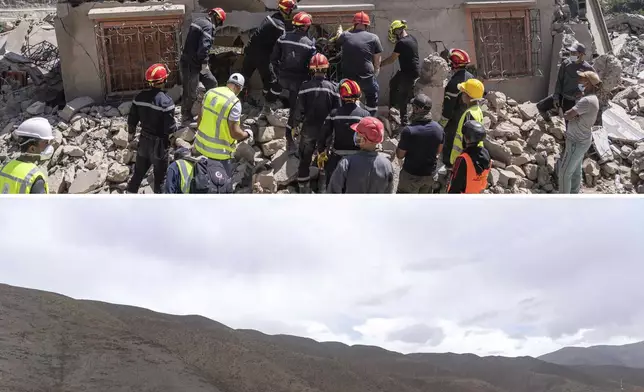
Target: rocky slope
<point>629,355</point>
<point>50,342</point>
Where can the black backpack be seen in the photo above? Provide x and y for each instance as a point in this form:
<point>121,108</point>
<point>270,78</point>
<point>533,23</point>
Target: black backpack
<point>209,176</point>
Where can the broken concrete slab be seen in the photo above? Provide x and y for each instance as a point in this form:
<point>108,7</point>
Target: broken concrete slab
<point>74,106</point>
<point>619,125</point>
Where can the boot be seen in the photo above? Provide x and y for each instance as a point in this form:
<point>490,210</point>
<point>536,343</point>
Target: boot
<point>322,181</point>
<point>304,187</point>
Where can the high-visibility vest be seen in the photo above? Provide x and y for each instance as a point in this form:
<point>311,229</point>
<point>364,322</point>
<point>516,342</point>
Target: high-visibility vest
<point>474,183</point>
<point>457,147</point>
<point>186,168</point>
<point>17,177</point>
<point>213,138</point>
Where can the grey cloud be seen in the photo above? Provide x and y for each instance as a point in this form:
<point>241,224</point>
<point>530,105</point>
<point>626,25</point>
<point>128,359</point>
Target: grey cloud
<point>382,299</point>
<point>419,334</point>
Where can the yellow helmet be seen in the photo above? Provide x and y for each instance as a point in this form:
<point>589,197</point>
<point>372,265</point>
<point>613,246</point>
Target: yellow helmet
<point>395,25</point>
<point>472,87</point>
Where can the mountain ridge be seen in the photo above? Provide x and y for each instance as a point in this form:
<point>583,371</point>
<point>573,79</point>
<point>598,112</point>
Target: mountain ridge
<point>53,342</point>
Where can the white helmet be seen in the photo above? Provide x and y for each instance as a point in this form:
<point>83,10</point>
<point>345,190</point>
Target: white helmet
<point>35,128</point>
<point>237,79</point>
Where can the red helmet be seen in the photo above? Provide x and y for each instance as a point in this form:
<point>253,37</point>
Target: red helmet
<point>157,73</point>
<point>220,13</point>
<point>371,129</point>
<point>458,58</point>
<point>318,62</point>
<point>349,90</point>
<point>302,19</point>
<point>286,6</point>
<point>361,18</point>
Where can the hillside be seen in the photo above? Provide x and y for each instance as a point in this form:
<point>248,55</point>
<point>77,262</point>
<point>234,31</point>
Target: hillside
<point>49,342</point>
<point>629,355</point>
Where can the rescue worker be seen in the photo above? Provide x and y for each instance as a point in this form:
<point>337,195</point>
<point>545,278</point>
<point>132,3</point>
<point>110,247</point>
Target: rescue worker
<point>260,46</point>
<point>472,93</point>
<point>290,65</point>
<point>458,60</point>
<point>566,89</point>
<point>420,144</point>
<point>154,109</point>
<point>338,134</point>
<point>401,86</point>
<point>366,171</point>
<point>219,123</point>
<point>195,57</point>
<point>361,55</point>
<point>22,175</point>
<point>180,172</point>
<point>315,101</point>
<point>472,166</point>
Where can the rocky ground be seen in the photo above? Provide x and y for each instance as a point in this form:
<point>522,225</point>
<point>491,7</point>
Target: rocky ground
<point>93,154</point>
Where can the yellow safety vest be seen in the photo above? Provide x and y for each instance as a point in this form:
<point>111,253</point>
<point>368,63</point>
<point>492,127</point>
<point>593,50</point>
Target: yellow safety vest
<point>213,139</point>
<point>186,169</point>
<point>457,147</point>
<point>17,177</point>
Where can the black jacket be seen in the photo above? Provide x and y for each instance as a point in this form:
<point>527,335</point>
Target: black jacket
<point>337,126</point>
<point>451,100</point>
<point>198,42</point>
<point>154,109</point>
<point>315,100</point>
<point>263,39</point>
<point>481,160</point>
<point>291,54</point>
<point>568,79</point>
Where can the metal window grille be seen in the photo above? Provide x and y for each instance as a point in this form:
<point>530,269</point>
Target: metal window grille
<point>127,49</point>
<point>507,43</point>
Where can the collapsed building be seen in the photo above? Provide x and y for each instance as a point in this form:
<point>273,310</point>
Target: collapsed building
<point>103,49</point>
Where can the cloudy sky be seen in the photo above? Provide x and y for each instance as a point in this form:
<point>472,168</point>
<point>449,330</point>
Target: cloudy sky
<point>491,276</point>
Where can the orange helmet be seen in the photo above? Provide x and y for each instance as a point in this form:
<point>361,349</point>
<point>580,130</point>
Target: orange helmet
<point>221,15</point>
<point>458,58</point>
<point>157,73</point>
<point>349,90</point>
<point>318,62</point>
<point>286,6</point>
<point>361,18</point>
<point>302,19</point>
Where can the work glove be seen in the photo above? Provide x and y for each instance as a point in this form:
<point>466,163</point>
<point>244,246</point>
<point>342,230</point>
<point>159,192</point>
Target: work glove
<point>296,131</point>
<point>443,121</point>
<point>555,101</point>
<point>322,159</point>
<point>339,31</point>
<point>250,139</point>
<point>172,137</point>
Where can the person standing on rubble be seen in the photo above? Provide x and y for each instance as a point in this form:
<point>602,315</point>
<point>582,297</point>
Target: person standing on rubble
<point>218,126</point>
<point>194,60</point>
<point>401,86</point>
<point>566,89</point>
<point>23,175</point>
<point>290,66</point>
<point>472,91</point>
<point>458,60</point>
<point>472,166</point>
<point>579,138</point>
<point>420,144</point>
<point>338,134</point>
<point>315,101</point>
<point>260,46</point>
<point>366,171</point>
<point>154,109</point>
<point>361,55</point>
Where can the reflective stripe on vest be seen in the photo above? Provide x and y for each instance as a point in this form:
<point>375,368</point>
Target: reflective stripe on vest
<point>457,147</point>
<point>17,177</point>
<point>474,183</point>
<point>213,138</point>
<point>185,173</point>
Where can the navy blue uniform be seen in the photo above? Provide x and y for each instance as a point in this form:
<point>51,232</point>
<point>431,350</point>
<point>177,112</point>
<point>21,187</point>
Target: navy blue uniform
<point>154,110</point>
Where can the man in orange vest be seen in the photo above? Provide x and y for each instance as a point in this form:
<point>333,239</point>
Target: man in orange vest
<point>472,167</point>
